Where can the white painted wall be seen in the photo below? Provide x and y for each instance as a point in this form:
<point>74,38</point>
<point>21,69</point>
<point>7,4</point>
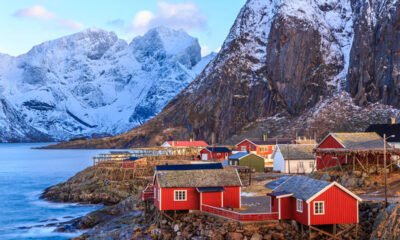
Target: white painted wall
<point>278,161</point>
<point>299,166</point>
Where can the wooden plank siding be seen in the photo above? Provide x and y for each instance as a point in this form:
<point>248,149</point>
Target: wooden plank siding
<point>329,160</point>
<point>232,197</point>
<point>192,201</point>
<point>212,198</point>
<point>340,208</point>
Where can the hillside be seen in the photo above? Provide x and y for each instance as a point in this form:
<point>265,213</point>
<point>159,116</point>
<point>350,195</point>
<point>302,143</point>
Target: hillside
<point>285,67</point>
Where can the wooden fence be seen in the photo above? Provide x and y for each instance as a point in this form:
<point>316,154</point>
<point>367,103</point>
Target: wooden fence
<point>241,217</point>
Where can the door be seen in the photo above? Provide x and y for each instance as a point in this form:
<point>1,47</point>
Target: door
<point>204,156</point>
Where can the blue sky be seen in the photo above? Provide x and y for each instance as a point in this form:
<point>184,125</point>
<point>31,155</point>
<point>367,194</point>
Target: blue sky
<point>25,23</point>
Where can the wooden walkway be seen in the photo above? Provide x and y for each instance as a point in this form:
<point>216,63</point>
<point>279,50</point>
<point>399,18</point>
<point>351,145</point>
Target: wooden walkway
<point>238,216</point>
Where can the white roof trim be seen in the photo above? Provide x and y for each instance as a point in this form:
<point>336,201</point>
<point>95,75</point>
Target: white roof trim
<point>330,134</point>
<point>241,184</point>
<point>247,140</point>
<point>329,186</point>
<point>286,195</point>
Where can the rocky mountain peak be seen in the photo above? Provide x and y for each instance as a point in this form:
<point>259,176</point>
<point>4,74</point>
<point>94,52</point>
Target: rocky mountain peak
<point>163,42</point>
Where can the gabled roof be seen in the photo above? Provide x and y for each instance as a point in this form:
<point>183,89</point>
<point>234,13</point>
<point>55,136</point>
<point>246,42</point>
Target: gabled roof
<point>187,143</point>
<point>188,167</point>
<point>307,189</point>
<point>218,149</point>
<point>388,129</point>
<point>239,155</point>
<point>296,151</point>
<point>199,178</point>
<point>359,140</point>
<point>302,187</point>
<point>268,141</point>
<point>120,152</point>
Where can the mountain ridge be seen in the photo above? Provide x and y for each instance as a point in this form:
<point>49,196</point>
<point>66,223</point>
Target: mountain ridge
<point>92,83</point>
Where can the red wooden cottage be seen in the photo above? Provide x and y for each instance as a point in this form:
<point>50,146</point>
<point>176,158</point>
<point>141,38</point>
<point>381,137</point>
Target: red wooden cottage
<point>262,147</point>
<point>188,187</point>
<point>215,153</point>
<point>328,151</point>
<point>314,202</point>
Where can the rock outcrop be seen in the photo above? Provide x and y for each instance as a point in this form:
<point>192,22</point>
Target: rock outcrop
<point>96,185</point>
<point>387,224</point>
<point>283,64</point>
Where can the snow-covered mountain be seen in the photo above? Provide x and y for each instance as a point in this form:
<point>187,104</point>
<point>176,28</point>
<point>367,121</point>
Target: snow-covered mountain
<point>93,83</point>
<point>287,67</point>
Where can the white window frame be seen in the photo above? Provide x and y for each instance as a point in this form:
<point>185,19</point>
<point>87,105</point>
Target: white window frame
<point>299,205</point>
<point>322,208</point>
<point>180,200</point>
<point>243,148</point>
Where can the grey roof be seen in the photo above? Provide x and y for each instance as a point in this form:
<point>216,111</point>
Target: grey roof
<point>238,155</point>
<point>302,187</point>
<point>297,151</point>
<point>359,140</point>
<point>199,178</point>
<point>271,141</point>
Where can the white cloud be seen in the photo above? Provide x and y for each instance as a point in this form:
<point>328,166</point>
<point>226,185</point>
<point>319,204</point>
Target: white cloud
<point>185,16</point>
<point>39,12</point>
<point>35,12</point>
<point>143,19</point>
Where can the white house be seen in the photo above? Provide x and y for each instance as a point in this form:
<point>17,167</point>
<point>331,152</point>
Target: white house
<point>294,158</point>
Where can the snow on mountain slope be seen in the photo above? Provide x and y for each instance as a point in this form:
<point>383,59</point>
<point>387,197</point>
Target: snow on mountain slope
<point>283,58</point>
<point>92,83</point>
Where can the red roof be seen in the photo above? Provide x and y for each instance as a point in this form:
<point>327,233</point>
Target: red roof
<point>187,143</point>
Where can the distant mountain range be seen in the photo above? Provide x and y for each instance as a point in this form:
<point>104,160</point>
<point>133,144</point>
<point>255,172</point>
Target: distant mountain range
<point>93,84</point>
<point>287,67</point>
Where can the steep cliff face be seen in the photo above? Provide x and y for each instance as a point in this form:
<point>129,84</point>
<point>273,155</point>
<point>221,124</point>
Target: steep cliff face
<point>374,74</point>
<point>283,64</point>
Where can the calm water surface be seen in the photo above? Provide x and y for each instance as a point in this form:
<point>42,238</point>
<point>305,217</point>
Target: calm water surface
<point>24,174</point>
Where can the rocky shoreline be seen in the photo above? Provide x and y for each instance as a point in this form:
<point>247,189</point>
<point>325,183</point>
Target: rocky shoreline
<point>122,217</point>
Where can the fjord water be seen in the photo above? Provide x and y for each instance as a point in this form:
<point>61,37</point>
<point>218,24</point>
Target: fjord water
<point>24,174</point>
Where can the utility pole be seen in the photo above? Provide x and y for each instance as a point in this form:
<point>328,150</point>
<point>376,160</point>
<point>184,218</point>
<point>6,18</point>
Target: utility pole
<point>384,167</point>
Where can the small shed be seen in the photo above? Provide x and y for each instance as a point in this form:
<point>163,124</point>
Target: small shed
<point>246,159</point>
<point>215,153</point>
<point>315,202</point>
<point>294,158</point>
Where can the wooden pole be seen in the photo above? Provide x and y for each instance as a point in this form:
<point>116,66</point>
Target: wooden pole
<point>354,163</point>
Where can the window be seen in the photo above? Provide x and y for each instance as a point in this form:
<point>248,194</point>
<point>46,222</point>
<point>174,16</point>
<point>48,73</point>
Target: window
<point>311,165</point>
<point>243,148</point>
<point>299,205</point>
<point>180,195</point>
<point>319,208</point>
<point>300,165</point>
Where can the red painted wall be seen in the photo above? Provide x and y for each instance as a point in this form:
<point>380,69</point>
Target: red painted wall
<point>340,208</point>
<point>301,217</point>
<point>329,160</point>
<point>249,146</point>
<point>286,208</point>
<point>232,197</point>
<point>192,202</point>
<point>274,204</point>
<point>215,156</point>
<point>212,198</point>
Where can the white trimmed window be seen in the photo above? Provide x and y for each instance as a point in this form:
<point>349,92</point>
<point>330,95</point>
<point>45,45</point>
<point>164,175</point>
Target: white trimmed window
<point>299,205</point>
<point>180,195</point>
<point>244,148</point>
<point>319,208</point>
